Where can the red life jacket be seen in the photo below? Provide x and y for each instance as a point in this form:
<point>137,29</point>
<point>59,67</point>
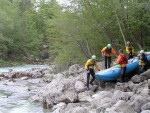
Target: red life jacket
<point>124,59</point>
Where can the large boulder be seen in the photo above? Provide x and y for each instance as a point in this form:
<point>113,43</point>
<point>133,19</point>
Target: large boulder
<point>78,110</point>
<point>120,107</point>
<point>137,79</point>
<point>59,90</point>
<point>73,70</point>
<point>82,77</point>
<point>102,99</point>
<point>79,86</point>
<point>132,86</point>
<point>85,96</point>
<point>59,108</point>
<point>122,86</point>
<point>146,111</point>
<point>119,95</point>
<point>142,89</point>
<point>146,106</point>
<point>146,74</point>
<point>137,101</point>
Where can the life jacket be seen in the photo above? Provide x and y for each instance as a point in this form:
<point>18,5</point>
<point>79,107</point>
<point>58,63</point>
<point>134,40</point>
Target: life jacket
<point>108,51</point>
<point>142,60</point>
<point>130,49</point>
<point>124,59</point>
<point>91,66</point>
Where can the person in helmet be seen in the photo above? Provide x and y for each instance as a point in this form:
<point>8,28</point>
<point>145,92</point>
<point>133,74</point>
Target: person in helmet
<point>143,62</point>
<point>107,53</point>
<point>130,50</point>
<point>89,66</point>
<point>122,61</point>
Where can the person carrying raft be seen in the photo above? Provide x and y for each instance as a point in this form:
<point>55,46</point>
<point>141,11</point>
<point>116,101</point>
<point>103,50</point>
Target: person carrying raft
<point>143,62</point>
<point>130,50</point>
<point>122,61</point>
<point>107,53</point>
<point>89,66</point>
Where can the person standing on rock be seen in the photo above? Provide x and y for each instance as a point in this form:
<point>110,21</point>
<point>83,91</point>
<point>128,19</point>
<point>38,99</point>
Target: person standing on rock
<point>143,62</point>
<point>122,61</point>
<point>89,66</point>
<point>107,53</point>
<point>130,50</point>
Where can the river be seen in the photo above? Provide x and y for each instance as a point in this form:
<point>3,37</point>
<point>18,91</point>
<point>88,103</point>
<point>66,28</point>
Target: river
<point>15,96</point>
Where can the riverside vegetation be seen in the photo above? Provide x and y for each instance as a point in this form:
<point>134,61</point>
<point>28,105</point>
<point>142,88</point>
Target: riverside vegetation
<point>71,31</point>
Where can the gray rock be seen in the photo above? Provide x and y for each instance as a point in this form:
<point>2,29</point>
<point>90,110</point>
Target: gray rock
<point>59,90</point>
<point>119,95</point>
<point>131,85</point>
<point>24,78</point>
<point>146,106</point>
<point>146,74</point>
<point>85,96</point>
<point>102,99</point>
<point>59,108</point>
<point>79,86</point>
<point>94,88</point>
<point>1,78</point>
<point>73,70</point>
<point>82,77</point>
<point>10,75</point>
<point>100,110</point>
<point>34,73</point>
<point>73,106</point>
<point>137,79</point>
<point>137,101</point>
<point>80,70</point>
<point>146,111</point>
<point>78,110</point>
<point>48,71</point>
<point>149,83</point>
<point>120,107</point>
<point>59,76</point>
<point>142,89</point>
<point>122,86</point>
<point>109,86</point>
<point>148,99</point>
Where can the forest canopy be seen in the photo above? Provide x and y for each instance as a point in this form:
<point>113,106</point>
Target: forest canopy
<point>73,31</point>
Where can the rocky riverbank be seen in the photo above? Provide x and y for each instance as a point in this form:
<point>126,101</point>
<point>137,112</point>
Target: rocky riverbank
<point>66,92</point>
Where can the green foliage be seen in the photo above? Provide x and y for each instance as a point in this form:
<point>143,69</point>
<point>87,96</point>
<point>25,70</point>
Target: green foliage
<point>25,26</point>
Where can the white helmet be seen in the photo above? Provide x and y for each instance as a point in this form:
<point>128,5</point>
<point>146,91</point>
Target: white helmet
<point>142,51</point>
<point>128,42</point>
<point>93,57</point>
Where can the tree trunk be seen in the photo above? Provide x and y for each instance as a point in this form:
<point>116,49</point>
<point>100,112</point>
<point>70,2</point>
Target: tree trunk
<point>120,28</point>
<point>88,47</point>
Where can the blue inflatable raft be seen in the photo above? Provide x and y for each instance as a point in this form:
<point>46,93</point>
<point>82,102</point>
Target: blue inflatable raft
<point>113,73</point>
